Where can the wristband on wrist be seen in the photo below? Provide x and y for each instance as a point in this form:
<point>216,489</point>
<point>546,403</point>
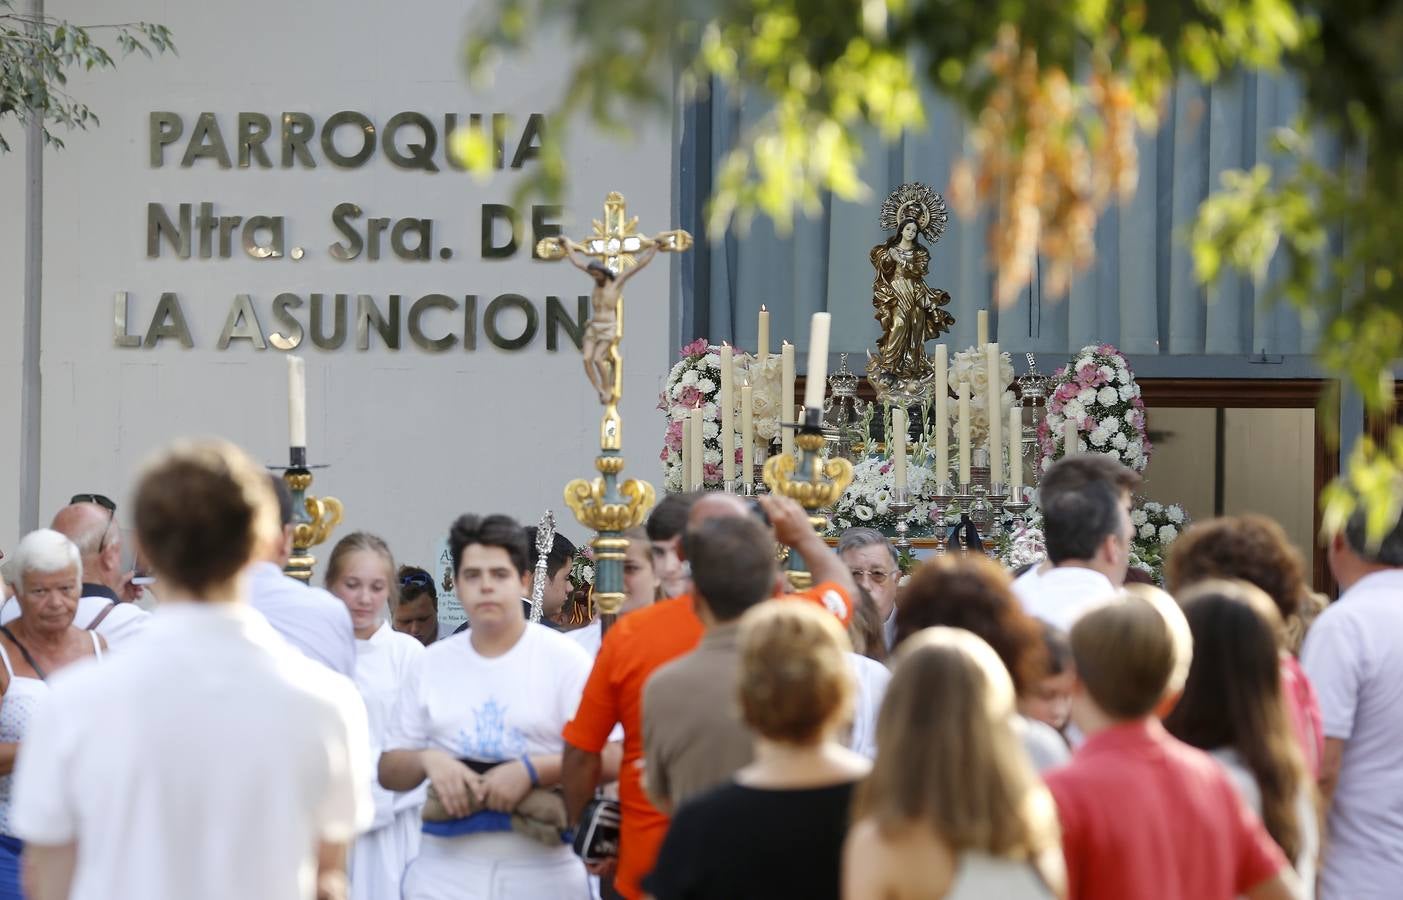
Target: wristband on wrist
<point>531,770</point>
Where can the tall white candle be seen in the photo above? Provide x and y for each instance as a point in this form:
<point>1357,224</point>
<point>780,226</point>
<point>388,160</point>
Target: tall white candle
<point>816,379</point>
<point>786,398</point>
<point>898,444</point>
<point>1071,437</point>
<point>981,328</point>
<point>964,432</point>
<point>698,451</point>
<point>686,478</point>
<point>1015,449</point>
<point>747,434</point>
<point>728,423</point>
<point>297,401</point>
<point>996,413</point>
<point>941,430</point>
<point>762,350</point>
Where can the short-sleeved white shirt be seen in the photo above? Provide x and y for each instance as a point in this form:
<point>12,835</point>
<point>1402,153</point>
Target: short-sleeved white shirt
<point>491,709</point>
<point>205,760</point>
<point>308,618</point>
<point>382,661</point>
<point>1353,655</point>
<point>1061,595</point>
<point>871,679</point>
<point>124,622</point>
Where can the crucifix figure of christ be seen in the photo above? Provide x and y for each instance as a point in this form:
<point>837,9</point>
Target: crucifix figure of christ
<point>613,254</point>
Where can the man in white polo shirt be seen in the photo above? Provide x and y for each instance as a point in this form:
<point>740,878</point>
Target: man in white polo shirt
<point>209,759</point>
<point>1354,657</point>
<point>1087,533</point>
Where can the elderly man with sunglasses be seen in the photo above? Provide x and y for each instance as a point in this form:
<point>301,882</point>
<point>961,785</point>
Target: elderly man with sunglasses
<point>873,562</point>
<point>89,521</point>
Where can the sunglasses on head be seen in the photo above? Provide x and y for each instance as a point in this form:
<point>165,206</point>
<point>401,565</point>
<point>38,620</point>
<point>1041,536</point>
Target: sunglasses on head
<point>416,579</point>
<point>107,504</point>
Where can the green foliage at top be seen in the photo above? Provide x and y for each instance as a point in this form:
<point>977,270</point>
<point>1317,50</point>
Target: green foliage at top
<point>36,55</point>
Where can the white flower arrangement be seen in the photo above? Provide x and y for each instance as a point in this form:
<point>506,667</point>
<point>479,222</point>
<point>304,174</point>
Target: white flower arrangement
<point>1096,390</point>
<point>867,501</point>
<point>695,382</point>
<point>970,367</point>
<point>1157,527</point>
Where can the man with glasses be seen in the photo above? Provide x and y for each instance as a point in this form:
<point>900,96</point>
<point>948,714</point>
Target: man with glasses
<point>873,562</point>
<point>89,521</point>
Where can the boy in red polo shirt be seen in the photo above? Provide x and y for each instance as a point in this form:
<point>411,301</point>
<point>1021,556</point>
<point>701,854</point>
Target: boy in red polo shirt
<point>1144,815</point>
<point>644,641</point>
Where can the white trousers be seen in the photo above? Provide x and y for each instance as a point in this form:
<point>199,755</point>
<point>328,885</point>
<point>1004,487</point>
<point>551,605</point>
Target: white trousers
<point>500,866</point>
<point>381,856</point>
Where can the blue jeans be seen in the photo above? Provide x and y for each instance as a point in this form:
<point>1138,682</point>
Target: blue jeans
<point>10,850</point>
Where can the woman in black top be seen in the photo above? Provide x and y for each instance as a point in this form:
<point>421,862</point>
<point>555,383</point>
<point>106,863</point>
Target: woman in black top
<point>777,829</point>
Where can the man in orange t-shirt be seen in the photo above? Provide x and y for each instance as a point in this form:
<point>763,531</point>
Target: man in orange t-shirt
<point>644,641</point>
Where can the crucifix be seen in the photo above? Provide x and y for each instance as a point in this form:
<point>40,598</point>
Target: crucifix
<point>611,255</point>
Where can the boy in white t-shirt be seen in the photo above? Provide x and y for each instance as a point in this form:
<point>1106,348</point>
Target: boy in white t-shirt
<point>480,716</point>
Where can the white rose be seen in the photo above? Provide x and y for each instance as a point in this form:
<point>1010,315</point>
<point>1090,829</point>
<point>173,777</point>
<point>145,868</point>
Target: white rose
<point>1147,531</point>
<point>1167,533</point>
<point>1099,437</point>
<point>1126,392</point>
<point>706,385</point>
<point>1119,440</point>
<point>690,376</point>
<point>1175,514</point>
<point>1138,518</point>
<point>1107,396</point>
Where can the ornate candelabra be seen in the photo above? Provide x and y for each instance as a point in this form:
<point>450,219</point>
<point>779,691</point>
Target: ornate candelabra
<point>313,518</point>
<point>815,482</point>
<point>604,504</point>
<point>1032,395</point>
<point>901,505</point>
<point>842,410</point>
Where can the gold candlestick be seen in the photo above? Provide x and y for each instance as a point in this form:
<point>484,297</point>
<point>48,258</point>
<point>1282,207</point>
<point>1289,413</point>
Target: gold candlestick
<point>313,518</point>
<point>813,481</point>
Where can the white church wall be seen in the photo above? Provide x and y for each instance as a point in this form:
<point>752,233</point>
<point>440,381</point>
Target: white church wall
<point>412,438</point>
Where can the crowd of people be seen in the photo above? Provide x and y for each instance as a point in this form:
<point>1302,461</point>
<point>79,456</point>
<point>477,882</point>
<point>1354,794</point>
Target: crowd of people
<point>954,731</point>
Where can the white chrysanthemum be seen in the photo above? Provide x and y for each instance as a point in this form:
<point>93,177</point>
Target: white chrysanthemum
<point>1147,531</point>
<point>676,391</point>
<point>1107,372</point>
<point>1167,534</point>
<point>1083,361</point>
<point>1153,508</point>
<point>712,360</point>
<point>690,377</point>
<point>1112,453</point>
<point>1111,423</point>
<point>1086,396</point>
<point>1138,517</point>
<point>706,385</point>
<point>1074,411</point>
<point>679,413</point>
<point>1099,437</point>
<point>710,430</point>
<point>1175,514</point>
<point>1107,396</point>
<point>709,411</point>
<point>1119,440</point>
<point>1126,392</point>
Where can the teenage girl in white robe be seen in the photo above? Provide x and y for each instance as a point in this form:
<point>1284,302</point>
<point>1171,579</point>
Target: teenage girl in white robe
<point>361,572</point>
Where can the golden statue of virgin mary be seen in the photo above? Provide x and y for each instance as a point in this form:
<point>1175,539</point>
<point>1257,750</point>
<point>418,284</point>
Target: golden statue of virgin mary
<point>909,311</point>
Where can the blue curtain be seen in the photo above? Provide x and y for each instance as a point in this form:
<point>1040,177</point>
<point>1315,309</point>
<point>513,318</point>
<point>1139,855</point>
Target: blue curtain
<point>1139,294</point>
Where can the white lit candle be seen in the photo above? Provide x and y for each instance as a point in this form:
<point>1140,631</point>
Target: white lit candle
<point>728,422</point>
<point>1071,437</point>
<point>786,398</point>
<point>698,451</point>
<point>816,379</point>
<point>964,432</point>
<point>747,434</point>
<point>297,401</point>
<point>762,350</point>
<point>981,328</point>
<point>942,415</point>
<point>686,478</point>
<point>996,414</point>
<point>1015,450</point>
<point>898,428</point>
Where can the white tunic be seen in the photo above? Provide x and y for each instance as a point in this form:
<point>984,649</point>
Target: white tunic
<point>492,709</point>
<point>208,759</point>
<point>381,854</point>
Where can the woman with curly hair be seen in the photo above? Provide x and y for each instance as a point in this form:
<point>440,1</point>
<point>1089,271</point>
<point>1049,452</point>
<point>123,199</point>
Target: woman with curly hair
<point>974,593</point>
<point>1256,550</point>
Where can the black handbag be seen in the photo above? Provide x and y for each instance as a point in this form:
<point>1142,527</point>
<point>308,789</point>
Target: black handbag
<point>597,837</point>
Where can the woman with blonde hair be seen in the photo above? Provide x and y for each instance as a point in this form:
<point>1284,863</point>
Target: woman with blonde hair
<point>776,830</point>
<point>361,573</point>
<point>953,808</point>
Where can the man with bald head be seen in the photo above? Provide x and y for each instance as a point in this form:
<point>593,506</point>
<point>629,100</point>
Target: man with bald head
<point>106,603</point>
<point>649,638</point>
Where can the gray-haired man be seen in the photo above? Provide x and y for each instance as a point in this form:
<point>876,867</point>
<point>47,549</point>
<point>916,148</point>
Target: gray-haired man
<point>873,562</point>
